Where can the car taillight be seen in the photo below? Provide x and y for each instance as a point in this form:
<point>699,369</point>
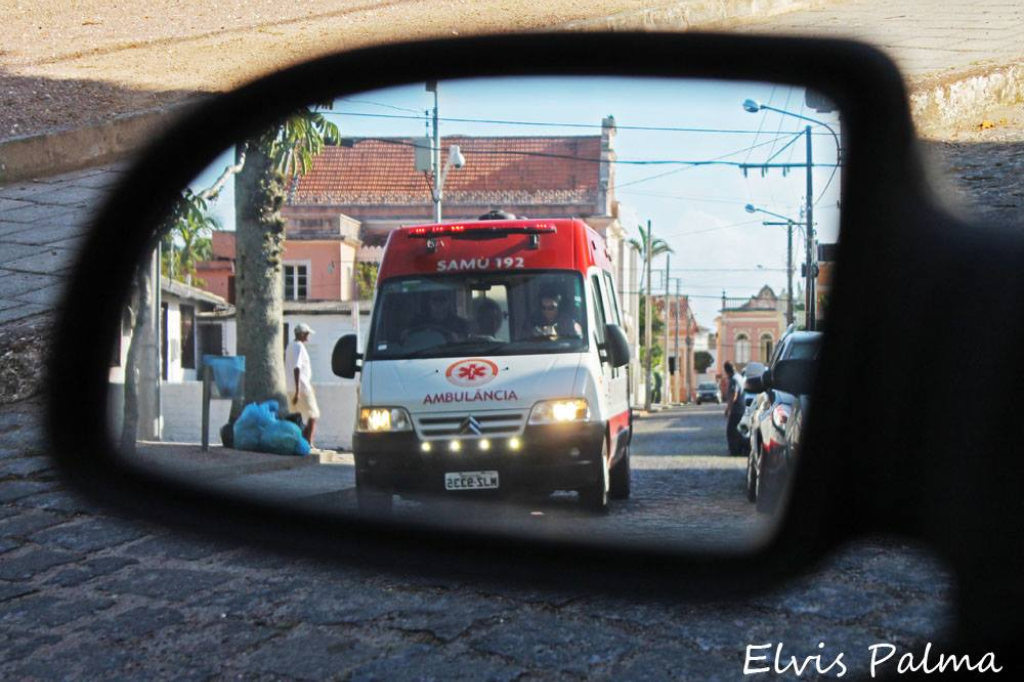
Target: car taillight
<point>780,415</point>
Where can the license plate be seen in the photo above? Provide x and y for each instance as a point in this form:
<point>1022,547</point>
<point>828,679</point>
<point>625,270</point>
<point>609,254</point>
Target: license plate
<point>471,480</point>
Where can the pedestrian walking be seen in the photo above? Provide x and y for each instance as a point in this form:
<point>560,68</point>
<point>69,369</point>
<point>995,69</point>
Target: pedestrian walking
<point>733,410</point>
<point>300,381</point>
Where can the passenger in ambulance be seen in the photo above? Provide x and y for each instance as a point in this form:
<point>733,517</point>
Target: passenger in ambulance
<point>440,318</point>
<point>487,319</point>
<point>552,320</point>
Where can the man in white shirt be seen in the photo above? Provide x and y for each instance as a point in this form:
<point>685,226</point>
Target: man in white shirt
<point>300,381</point>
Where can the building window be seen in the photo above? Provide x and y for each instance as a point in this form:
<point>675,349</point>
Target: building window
<point>296,278</point>
<point>742,349</point>
<point>766,347</point>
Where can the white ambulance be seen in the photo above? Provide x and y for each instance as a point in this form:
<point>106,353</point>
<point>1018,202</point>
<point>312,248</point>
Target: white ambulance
<point>495,364</point>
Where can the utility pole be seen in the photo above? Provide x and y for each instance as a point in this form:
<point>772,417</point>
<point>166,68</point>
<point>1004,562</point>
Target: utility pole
<point>789,273</point>
<point>664,355</point>
<point>789,224</point>
<point>679,370</point>
<point>689,354</point>
<point>436,156</point>
<point>647,320</point>
<point>810,305</point>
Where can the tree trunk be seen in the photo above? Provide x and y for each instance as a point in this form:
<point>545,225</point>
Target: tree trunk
<point>259,292</point>
<point>141,331</point>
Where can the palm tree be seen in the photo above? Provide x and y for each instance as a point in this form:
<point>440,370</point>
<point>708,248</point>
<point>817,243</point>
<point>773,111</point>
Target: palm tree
<point>648,247</point>
<point>191,225</point>
<point>273,160</point>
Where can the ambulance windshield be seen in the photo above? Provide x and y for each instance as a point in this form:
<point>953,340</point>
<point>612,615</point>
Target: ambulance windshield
<point>502,313</point>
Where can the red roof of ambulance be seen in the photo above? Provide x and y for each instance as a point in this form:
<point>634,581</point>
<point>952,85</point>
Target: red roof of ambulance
<point>573,245</point>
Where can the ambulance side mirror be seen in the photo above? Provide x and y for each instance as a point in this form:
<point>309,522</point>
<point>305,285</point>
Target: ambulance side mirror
<point>616,345</point>
<point>345,359</point>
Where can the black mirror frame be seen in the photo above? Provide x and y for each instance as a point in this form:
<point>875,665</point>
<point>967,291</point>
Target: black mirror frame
<point>617,345</point>
<point>344,358</point>
<point>793,376</point>
<point>879,204</point>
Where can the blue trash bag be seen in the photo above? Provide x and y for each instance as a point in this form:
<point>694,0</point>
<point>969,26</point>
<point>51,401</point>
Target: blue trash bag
<point>250,425</point>
<point>227,373</point>
<point>258,429</point>
<point>284,438</point>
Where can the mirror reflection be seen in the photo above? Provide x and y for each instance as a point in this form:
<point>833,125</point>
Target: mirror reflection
<point>578,307</point>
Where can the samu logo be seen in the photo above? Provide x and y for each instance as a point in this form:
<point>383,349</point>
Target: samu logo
<point>471,373</point>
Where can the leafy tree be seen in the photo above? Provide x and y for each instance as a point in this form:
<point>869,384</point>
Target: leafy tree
<point>191,226</point>
<point>702,360</point>
<point>274,160</point>
<point>366,279</point>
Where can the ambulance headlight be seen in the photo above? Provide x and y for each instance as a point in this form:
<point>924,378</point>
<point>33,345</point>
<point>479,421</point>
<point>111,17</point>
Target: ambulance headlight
<point>384,419</point>
<point>560,411</point>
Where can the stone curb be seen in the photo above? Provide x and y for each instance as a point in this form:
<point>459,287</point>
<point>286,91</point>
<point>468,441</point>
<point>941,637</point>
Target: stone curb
<point>71,149</point>
<point>937,103</point>
<point>946,101</point>
<point>691,14</point>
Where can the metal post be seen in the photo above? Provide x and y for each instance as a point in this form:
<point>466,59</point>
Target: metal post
<point>809,307</point>
<point>677,384</point>
<point>647,321</point>
<point>664,355</point>
<point>207,377</point>
<point>437,162</point>
<point>789,273</point>
<point>689,354</point>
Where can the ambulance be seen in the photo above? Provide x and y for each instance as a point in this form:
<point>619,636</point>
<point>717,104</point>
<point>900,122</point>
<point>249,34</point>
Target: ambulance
<point>495,365</point>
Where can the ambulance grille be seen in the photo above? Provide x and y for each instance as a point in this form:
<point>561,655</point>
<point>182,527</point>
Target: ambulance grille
<point>470,425</point>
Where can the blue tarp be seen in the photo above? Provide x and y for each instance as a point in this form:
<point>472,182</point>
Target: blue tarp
<point>227,370</point>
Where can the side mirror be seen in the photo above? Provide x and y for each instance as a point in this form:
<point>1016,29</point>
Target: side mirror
<point>794,376</point>
<point>616,345</point>
<point>345,359</point>
<point>758,384</point>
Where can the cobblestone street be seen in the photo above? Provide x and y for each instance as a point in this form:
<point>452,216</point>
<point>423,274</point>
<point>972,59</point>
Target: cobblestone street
<point>86,594</point>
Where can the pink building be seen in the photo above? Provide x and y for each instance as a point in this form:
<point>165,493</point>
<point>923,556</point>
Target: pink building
<point>748,333</point>
<point>319,259</point>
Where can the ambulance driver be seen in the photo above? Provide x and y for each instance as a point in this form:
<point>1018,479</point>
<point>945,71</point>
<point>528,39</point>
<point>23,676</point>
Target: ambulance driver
<point>550,320</point>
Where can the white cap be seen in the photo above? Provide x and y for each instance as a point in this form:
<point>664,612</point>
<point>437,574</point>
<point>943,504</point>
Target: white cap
<point>303,328</point>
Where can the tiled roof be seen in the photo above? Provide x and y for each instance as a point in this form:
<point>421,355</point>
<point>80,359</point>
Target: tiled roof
<point>498,170</point>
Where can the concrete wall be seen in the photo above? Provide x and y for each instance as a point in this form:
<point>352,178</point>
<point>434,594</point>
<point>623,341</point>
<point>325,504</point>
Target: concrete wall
<point>182,413</point>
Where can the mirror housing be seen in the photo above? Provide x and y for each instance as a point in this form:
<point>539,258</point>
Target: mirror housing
<point>794,376</point>
<point>344,358</point>
<point>616,345</point>
<point>758,384</point>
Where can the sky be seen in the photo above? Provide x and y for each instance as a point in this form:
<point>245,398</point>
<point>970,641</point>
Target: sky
<point>698,209</point>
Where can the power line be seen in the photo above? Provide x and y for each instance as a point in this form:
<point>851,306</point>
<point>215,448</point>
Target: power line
<point>553,124</point>
<point>379,104</point>
<point>679,170</point>
<point>547,155</point>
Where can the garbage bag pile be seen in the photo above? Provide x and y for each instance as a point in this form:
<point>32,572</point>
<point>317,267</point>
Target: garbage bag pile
<point>259,429</point>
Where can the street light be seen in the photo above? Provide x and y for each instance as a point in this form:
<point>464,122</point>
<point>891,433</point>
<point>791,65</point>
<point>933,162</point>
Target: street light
<point>789,223</point>
<point>753,106</point>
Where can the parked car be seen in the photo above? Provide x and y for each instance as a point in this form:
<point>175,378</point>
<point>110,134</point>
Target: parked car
<point>767,460</point>
<point>753,369</point>
<point>708,392</point>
